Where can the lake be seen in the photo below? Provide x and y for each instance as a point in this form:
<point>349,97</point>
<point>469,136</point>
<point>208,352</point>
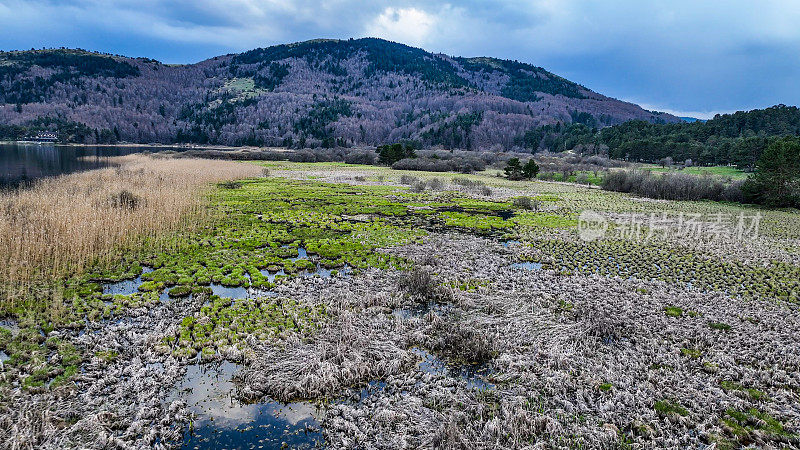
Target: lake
<point>21,163</point>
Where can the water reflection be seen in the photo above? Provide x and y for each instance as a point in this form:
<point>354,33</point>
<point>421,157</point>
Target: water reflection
<point>221,421</point>
<point>474,374</point>
<point>126,287</point>
<point>23,163</point>
<point>527,266</point>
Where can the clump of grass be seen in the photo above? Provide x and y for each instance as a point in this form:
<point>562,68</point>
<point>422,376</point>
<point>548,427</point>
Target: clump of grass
<point>232,184</point>
<point>106,355</point>
<point>673,311</point>
<point>692,353</point>
<point>719,326</point>
<point>422,286</point>
<point>125,199</point>
<point>753,393</point>
<point>744,425</point>
<point>180,291</point>
<point>667,408</point>
<point>456,341</point>
<point>605,387</point>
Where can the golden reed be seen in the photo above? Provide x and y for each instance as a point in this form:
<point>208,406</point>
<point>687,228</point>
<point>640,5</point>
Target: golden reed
<point>61,225</point>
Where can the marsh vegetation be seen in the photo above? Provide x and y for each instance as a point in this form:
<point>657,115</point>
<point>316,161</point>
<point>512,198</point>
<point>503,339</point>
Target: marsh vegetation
<point>202,303</point>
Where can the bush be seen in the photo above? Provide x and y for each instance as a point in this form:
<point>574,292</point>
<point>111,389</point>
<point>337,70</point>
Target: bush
<point>419,186</point>
<point>231,184</point>
<point>408,179</point>
<point>458,164</point>
<point>526,203</point>
<point>435,184</point>
<point>671,186</point>
<point>422,287</point>
<point>360,157</point>
<point>125,199</point>
<point>467,183</point>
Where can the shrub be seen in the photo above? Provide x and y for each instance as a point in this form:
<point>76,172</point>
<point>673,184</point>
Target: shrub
<point>421,286</point>
<point>360,157</point>
<point>463,165</point>
<point>408,179</point>
<point>125,199</point>
<point>435,184</point>
<point>671,186</point>
<point>418,186</point>
<point>466,182</point>
<point>526,203</point>
<point>231,185</point>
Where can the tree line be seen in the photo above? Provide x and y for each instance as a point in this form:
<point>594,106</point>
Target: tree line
<point>731,139</point>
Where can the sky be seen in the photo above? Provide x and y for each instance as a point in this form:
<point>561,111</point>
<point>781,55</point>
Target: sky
<point>688,57</point>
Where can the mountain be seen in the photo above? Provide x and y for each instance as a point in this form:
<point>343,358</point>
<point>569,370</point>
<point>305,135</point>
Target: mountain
<point>321,92</point>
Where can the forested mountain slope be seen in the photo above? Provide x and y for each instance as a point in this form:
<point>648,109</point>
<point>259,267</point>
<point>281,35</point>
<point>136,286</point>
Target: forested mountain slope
<point>322,92</point>
<point>737,138</point>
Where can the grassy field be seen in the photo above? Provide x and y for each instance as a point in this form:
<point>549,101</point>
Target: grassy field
<point>411,307</point>
<point>718,171</point>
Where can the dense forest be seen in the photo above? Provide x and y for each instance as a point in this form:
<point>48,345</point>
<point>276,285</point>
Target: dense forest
<point>316,93</point>
<point>737,139</point>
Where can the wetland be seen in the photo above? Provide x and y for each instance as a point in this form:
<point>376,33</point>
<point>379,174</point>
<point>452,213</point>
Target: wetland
<point>309,305</point>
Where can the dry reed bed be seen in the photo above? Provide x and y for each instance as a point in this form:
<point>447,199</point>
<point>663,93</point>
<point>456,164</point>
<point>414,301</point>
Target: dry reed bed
<point>61,225</point>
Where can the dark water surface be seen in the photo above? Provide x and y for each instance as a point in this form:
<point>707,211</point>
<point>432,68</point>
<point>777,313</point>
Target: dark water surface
<point>222,422</point>
<point>22,163</point>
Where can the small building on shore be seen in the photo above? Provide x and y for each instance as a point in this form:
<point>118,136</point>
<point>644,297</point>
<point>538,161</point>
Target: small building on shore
<point>44,136</point>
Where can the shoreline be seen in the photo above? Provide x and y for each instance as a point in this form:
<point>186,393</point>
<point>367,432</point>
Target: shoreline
<point>148,145</point>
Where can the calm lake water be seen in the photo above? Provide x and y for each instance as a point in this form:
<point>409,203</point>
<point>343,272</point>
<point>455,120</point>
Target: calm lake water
<point>23,163</point>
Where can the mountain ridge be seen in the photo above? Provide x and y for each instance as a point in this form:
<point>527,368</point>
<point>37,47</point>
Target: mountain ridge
<point>319,92</point>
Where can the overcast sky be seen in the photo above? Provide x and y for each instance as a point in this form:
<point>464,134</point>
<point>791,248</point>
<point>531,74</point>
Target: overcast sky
<point>688,57</point>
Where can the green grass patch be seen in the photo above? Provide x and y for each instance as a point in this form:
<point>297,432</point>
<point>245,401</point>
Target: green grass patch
<point>666,407</point>
<point>691,353</point>
<point>754,394</point>
<point>673,311</point>
<point>720,326</point>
